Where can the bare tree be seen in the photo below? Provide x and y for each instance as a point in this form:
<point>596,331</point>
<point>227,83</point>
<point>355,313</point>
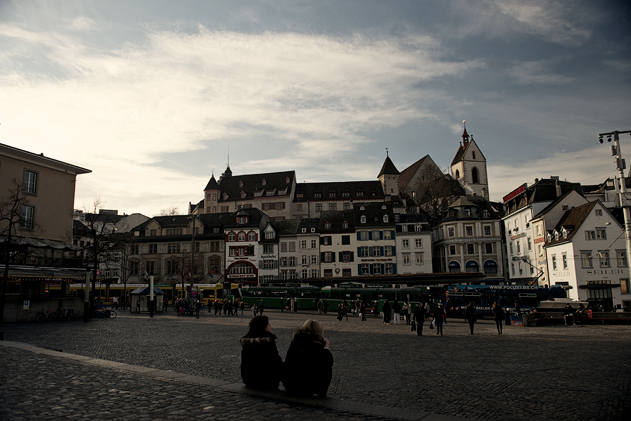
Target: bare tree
<point>434,191</point>
<point>14,220</point>
<point>171,211</point>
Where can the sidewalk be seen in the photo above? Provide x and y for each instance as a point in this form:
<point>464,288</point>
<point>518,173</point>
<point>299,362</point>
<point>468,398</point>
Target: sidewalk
<point>155,368</point>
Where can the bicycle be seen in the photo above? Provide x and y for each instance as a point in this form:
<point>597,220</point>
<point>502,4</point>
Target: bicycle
<point>43,316</point>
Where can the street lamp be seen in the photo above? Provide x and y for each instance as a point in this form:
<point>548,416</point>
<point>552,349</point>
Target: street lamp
<point>194,218</point>
<point>624,200</point>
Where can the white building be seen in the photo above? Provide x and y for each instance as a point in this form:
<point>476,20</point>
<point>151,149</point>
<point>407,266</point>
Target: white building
<point>337,244</point>
<point>413,244</point>
<point>586,253</point>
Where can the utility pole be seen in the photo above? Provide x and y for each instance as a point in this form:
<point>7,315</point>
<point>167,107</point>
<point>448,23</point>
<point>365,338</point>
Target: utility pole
<point>624,199</point>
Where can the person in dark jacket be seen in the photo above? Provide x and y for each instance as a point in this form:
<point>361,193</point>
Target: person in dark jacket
<point>261,364</point>
<point>385,308</point>
<point>419,318</point>
<point>309,363</point>
<point>439,318</point>
<point>469,316</point>
<point>568,314</point>
<point>498,315</point>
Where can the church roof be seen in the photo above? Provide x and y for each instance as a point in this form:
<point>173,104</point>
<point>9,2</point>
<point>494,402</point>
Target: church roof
<point>388,168</point>
<point>212,184</point>
<point>408,173</point>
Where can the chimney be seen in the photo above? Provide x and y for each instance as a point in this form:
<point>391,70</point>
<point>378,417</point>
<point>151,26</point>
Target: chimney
<point>558,187</point>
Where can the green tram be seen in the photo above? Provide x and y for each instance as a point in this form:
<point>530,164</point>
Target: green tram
<point>305,297</point>
<point>350,292</point>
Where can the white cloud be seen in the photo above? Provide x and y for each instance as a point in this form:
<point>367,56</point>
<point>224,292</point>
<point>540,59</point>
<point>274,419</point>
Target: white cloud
<point>536,72</point>
<point>118,112</point>
<point>83,23</point>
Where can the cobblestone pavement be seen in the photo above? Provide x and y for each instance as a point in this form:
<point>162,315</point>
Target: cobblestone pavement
<point>182,366</point>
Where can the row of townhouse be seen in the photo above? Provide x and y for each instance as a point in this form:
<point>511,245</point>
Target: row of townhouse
<point>561,233</point>
<point>245,246</point>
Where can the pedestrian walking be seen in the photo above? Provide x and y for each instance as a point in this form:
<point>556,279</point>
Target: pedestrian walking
<point>419,318</point>
<point>282,304</point>
<point>198,306</point>
<point>396,310</point>
<point>375,308</point>
<point>115,299</point>
<point>469,316</point>
<point>498,315</point>
<point>362,311</point>
<point>439,318</point>
<point>345,310</point>
<point>386,312</point>
<point>261,308</point>
<point>405,310</point>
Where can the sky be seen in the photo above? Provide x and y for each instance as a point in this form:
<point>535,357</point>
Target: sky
<point>156,96</point>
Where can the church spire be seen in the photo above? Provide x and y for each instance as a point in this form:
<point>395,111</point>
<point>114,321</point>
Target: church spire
<point>465,135</point>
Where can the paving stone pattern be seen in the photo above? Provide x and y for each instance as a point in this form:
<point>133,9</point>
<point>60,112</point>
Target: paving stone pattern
<point>543,373</point>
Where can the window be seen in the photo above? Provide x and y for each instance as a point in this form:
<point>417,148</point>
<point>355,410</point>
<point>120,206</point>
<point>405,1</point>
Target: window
<point>304,274</point>
<point>405,243</point>
<point>487,230</point>
<point>346,206</point>
<point>314,259</point>
<point>518,246</point>
<point>624,286</point>
<point>325,241</point>
<point>252,236</point>
<point>232,236</point>
<point>299,207</point>
<point>28,217</point>
<point>488,248</point>
<point>590,235</point>
<point>470,248</point>
<point>283,247</point>
<point>173,247</point>
<point>406,259</point>
<point>149,266</point>
<point>418,243</point>
<point>242,220</point>
<point>376,268</point>
<point>564,258</point>
<point>268,248</point>
<point>327,225</point>
<point>387,250</point>
<point>599,212</point>
<point>387,235</point>
<point>346,273</point>
<point>315,273</point>
<point>134,268</point>
<point>375,251</point>
<point>292,260</point>
<point>363,251</point>
<point>586,259</point>
<point>621,257</point>
<point>269,235</point>
<point>283,262</point>
<point>346,240</point>
<point>314,244</point>
<point>303,244</point>
<point>171,267</point>
<point>363,219</point>
<point>386,218</point>
<point>452,250</point>
<point>241,236</point>
<point>529,244</point>
<point>292,246</point>
<point>318,207</point>
<point>467,211</point>
<point>451,231</point>
<point>419,258</point>
<point>328,257</point>
<point>346,256</point>
<point>554,262</point>
<point>469,230</point>
<point>601,234</point>
<point>604,258</point>
<point>332,206</point>
<point>490,267</point>
<point>29,185</point>
<point>363,235</point>
<point>376,235</point>
<point>224,209</point>
<point>153,248</point>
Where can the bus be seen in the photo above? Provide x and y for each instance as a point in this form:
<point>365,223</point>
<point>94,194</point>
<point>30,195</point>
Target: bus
<point>305,296</point>
<point>483,296</point>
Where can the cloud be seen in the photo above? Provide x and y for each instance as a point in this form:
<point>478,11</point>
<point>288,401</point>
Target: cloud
<point>536,73</point>
<point>120,112</point>
<point>83,23</point>
<point>588,166</point>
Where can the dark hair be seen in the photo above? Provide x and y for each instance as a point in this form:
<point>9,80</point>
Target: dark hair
<point>257,327</point>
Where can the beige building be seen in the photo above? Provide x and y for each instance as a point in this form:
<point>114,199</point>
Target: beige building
<point>49,186</point>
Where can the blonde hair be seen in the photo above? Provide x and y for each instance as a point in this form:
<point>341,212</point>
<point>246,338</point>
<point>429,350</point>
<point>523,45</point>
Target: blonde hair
<point>311,327</point>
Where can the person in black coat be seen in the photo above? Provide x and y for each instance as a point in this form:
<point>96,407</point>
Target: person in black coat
<point>419,318</point>
<point>498,315</point>
<point>439,318</point>
<point>385,308</point>
<point>309,363</point>
<point>261,364</point>
<point>469,316</point>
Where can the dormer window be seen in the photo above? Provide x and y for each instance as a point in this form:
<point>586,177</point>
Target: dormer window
<point>467,211</point>
<point>345,224</point>
<point>485,213</point>
<point>327,225</point>
<point>304,230</point>
<point>312,229</point>
<point>243,194</point>
<point>240,183</point>
<point>385,218</point>
<point>360,194</point>
<point>362,208</point>
<point>270,192</point>
<point>225,196</point>
<point>287,180</point>
<point>317,195</point>
<point>556,235</point>
<point>363,219</point>
<point>346,194</point>
<point>332,194</point>
<point>263,182</point>
<point>549,237</point>
<point>242,220</point>
<point>384,207</point>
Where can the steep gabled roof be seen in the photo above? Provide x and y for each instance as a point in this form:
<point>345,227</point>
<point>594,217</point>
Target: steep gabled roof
<point>388,168</point>
<point>572,220</point>
<point>343,190</point>
<point>212,184</point>
<point>408,174</point>
<point>250,183</point>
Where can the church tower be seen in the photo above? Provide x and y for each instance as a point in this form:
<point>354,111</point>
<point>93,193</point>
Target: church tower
<point>469,167</point>
<point>389,177</point>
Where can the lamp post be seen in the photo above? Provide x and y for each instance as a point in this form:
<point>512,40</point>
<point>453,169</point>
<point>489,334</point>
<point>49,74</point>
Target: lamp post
<point>194,218</point>
<point>624,200</point>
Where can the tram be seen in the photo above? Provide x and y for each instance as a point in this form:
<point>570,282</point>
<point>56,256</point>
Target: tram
<point>305,297</point>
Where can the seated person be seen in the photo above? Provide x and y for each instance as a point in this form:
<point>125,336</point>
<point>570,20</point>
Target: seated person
<point>309,363</point>
<point>568,314</point>
<point>261,364</point>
